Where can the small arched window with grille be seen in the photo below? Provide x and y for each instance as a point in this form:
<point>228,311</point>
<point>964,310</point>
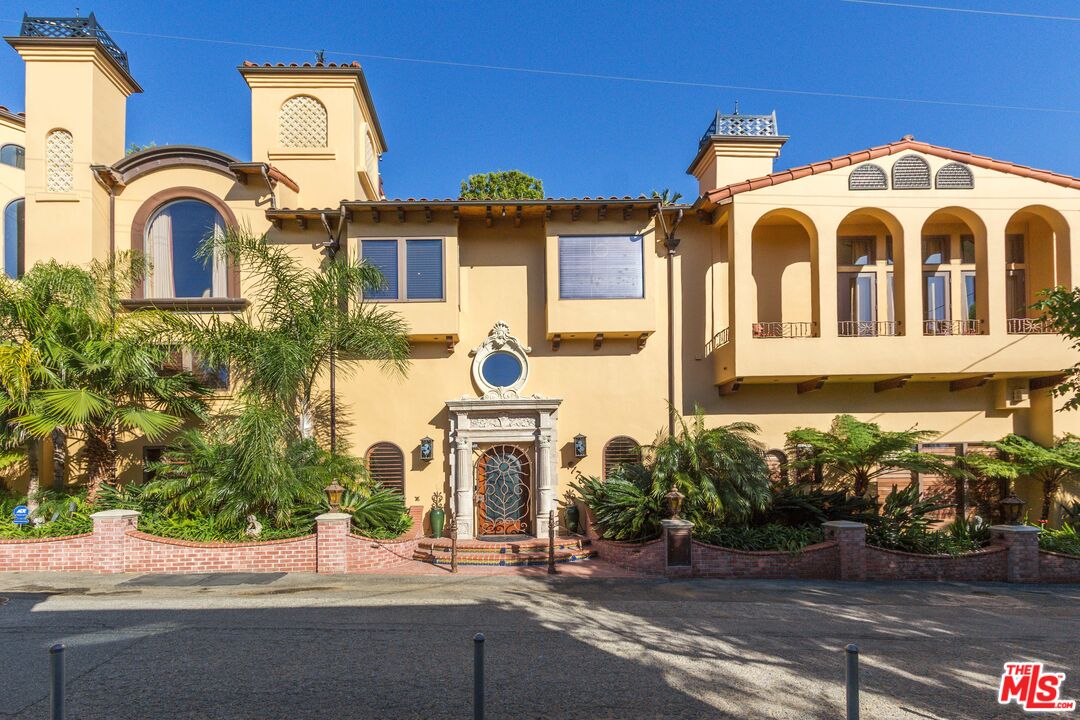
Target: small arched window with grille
<point>59,161</point>
<point>302,123</point>
<point>954,176</point>
<point>619,451</point>
<point>868,177</point>
<point>911,172</point>
<point>386,465</point>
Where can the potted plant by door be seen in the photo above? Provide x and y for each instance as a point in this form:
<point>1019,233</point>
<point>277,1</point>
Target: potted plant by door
<point>573,514</point>
<point>437,515</point>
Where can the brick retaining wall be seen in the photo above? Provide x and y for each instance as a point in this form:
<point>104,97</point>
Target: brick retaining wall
<point>646,558</point>
<point>72,553</point>
<point>1058,567</point>
<point>151,554</point>
<point>820,561</point>
<point>986,565</point>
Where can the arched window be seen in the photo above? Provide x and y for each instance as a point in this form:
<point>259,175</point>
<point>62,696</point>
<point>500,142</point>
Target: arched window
<point>302,123</point>
<point>13,155</point>
<point>173,236</point>
<point>15,238</point>
<point>868,177</point>
<point>386,465</point>
<point>619,451</point>
<point>59,161</point>
<point>911,172</point>
<point>954,176</point>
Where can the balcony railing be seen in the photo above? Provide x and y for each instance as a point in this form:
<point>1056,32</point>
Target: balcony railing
<point>1029,326</point>
<point>784,329</point>
<point>866,328</point>
<point>952,327</point>
<point>719,340</point>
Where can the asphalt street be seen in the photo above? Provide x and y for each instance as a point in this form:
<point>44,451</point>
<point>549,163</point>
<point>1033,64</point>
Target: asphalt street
<point>307,646</point>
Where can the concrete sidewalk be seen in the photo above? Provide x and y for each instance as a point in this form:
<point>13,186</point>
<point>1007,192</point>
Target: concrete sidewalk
<point>307,646</point>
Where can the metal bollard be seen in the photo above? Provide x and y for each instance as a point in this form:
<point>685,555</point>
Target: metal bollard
<point>453,542</point>
<point>56,673</point>
<point>478,676</point>
<point>551,543</point>
<point>852,678</point>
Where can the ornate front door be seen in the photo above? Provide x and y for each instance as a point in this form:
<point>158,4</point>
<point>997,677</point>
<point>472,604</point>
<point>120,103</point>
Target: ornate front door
<point>502,491</point>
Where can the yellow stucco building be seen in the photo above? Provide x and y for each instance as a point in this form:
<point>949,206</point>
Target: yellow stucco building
<point>550,336</point>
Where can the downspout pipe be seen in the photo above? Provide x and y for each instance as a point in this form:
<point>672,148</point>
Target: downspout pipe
<point>672,244</point>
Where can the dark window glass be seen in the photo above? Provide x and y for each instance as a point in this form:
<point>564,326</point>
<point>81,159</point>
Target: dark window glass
<point>383,254</point>
<point>151,455</point>
<point>888,249</point>
<point>935,249</point>
<point>424,269</point>
<point>1014,248</point>
<point>1016,293</point>
<point>173,239</point>
<point>15,238</point>
<point>855,251</point>
<point>969,296</point>
<point>13,155</point>
<point>967,249</point>
<point>501,369</point>
<point>936,296</point>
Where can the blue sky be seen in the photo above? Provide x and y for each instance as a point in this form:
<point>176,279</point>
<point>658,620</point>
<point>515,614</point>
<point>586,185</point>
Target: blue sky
<point>587,136</point>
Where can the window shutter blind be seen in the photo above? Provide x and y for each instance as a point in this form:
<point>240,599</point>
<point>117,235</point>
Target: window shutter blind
<point>424,269</point>
<point>383,255</point>
<point>601,267</point>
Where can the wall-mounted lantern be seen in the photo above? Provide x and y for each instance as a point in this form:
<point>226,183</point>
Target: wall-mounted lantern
<point>427,449</point>
<point>581,446</point>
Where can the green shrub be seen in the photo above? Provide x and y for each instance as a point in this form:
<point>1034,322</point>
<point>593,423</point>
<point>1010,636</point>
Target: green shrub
<point>974,529</point>
<point>1064,540</point>
<point>761,537</point>
<point>622,507</point>
<point>197,527</point>
<point>905,523</point>
<point>796,504</point>
<point>63,513</point>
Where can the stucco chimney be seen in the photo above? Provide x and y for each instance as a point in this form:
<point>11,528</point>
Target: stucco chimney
<point>735,148</point>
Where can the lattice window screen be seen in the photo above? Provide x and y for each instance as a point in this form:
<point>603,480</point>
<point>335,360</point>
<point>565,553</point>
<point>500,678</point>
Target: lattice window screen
<point>302,123</point>
<point>868,177</point>
<point>59,163</point>
<point>911,172</point>
<point>386,465</point>
<point>620,451</point>
<point>954,176</point>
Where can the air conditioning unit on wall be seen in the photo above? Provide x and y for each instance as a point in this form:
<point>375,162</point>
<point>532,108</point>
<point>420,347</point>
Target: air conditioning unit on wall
<point>1011,394</point>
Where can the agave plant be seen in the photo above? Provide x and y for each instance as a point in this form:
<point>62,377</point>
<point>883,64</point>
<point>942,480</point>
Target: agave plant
<point>623,506</point>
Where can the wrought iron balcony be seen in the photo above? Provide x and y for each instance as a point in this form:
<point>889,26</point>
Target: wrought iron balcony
<point>1029,326</point>
<point>73,27</point>
<point>719,340</point>
<point>866,328</point>
<point>784,330</point>
<point>952,327</point>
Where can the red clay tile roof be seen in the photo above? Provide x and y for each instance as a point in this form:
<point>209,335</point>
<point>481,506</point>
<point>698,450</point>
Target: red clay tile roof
<point>713,197</point>
<point>282,178</point>
<point>353,64</point>
<point>17,117</point>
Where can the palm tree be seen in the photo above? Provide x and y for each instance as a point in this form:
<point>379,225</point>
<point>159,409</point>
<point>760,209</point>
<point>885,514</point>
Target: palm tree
<point>100,372</point>
<point>720,470</point>
<point>281,350</point>
<point>666,197</point>
<point>852,453</point>
<point>1024,458</point>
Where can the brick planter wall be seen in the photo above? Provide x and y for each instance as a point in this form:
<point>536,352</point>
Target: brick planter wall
<point>72,553</point>
<point>820,561</point>
<point>647,558</point>
<point>1058,567</point>
<point>151,554</point>
<point>363,554</point>
<point>986,565</point>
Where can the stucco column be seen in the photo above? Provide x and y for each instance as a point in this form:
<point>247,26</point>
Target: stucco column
<point>826,272</point>
<point>909,264</point>
<point>545,484</point>
<point>993,312</point>
<point>463,489</point>
<point>742,289</point>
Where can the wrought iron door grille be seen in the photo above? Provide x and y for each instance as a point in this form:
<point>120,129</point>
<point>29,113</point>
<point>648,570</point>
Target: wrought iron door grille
<point>503,475</point>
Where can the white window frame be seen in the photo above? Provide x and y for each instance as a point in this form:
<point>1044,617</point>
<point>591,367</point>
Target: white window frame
<point>402,267</point>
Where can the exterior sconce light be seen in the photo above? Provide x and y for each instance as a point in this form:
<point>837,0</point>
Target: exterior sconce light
<point>334,492</point>
<point>427,449</point>
<point>1012,508</point>
<point>581,446</point>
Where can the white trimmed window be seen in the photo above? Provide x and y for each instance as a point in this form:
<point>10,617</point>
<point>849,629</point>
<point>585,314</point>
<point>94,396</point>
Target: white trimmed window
<point>593,267</point>
<point>173,238</point>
